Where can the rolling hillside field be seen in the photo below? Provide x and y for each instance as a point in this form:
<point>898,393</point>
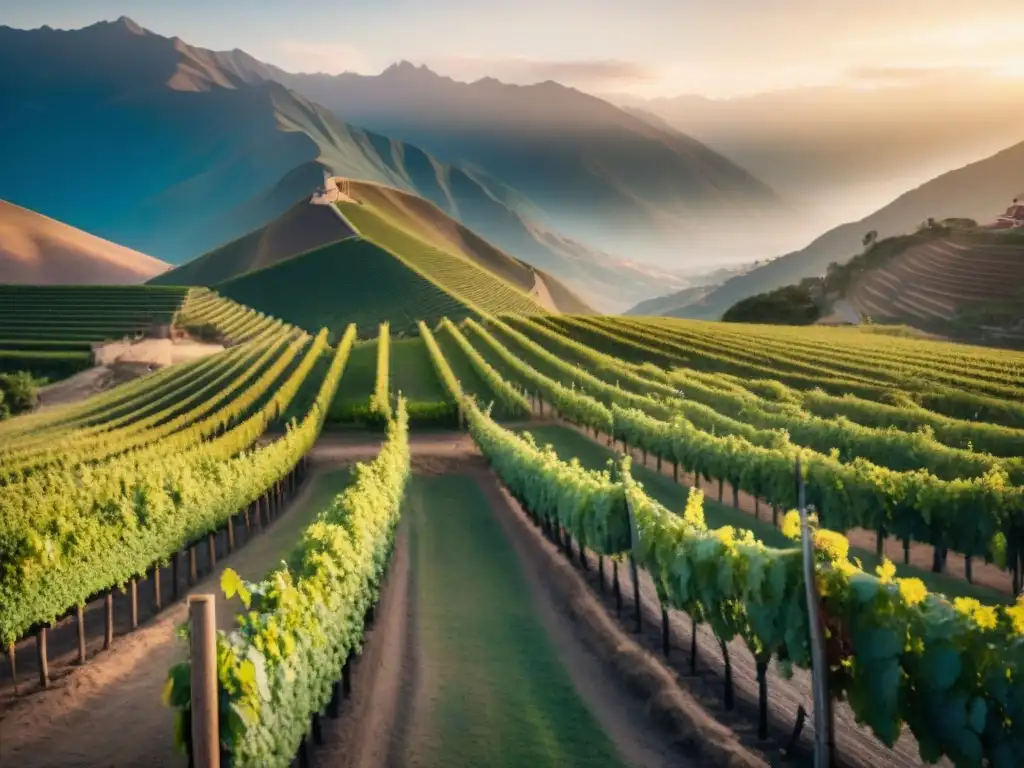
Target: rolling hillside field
<point>462,542</point>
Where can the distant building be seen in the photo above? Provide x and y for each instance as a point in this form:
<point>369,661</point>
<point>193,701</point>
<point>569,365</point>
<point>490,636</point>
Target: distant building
<point>330,191</point>
<point>1013,218</point>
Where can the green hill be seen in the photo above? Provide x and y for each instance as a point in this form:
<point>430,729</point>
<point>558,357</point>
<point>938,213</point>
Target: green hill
<point>303,227</point>
<point>429,223</point>
<point>400,222</point>
<point>358,281</point>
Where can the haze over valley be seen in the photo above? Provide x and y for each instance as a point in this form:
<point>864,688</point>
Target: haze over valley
<point>638,190</point>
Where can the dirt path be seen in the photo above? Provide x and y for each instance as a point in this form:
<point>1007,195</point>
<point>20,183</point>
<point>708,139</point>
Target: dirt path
<point>110,713</point>
<point>371,725</point>
<point>402,688</point>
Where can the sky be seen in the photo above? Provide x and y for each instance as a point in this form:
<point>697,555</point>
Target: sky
<point>646,48</point>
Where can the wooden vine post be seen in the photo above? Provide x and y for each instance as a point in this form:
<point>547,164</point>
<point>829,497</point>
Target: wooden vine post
<point>12,658</point>
<point>634,571</point>
<point>824,725</point>
<point>203,653</point>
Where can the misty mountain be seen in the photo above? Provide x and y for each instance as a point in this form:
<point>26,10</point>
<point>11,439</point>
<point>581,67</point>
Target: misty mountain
<point>844,150</point>
<point>590,169</point>
<point>980,191</point>
<point>173,150</point>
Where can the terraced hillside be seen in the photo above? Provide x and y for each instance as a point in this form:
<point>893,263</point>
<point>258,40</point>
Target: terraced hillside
<point>49,330</point>
<point>936,282</point>
<point>207,314</point>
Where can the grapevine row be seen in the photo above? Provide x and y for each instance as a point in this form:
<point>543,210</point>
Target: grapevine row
<point>281,666</point>
<point>910,505</point>
<point>512,401</point>
<point>85,529</point>
<point>946,670</point>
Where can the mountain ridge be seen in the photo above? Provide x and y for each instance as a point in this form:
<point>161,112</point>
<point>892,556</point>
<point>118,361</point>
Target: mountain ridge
<point>197,148</point>
<point>598,173</point>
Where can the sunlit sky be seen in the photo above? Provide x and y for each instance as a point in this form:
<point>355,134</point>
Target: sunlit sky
<point>642,47</point>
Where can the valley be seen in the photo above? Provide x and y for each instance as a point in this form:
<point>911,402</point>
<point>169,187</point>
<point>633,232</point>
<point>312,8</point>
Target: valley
<point>427,418</point>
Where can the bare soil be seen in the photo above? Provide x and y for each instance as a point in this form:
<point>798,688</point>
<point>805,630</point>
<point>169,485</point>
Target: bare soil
<point>156,352</point>
<point>543,296</point>
<point>121,361</point>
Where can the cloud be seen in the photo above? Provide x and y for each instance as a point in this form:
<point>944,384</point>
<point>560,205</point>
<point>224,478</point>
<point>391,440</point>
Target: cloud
<point>584,72</point>
<point>330,58</point>
<point>912,75</point>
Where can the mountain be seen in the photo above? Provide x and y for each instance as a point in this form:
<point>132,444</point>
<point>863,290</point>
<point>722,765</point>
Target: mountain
<point>174,150</point>
<point>980,191</point>
<point>303,227</point>
<point>400,267</point>
<point>146,140</point>
<point>306,226</point>
<point>844,150</point>
<point>699,286</point>
<point>584,166</point>
<point>38,250</point>
<point>671,304</point>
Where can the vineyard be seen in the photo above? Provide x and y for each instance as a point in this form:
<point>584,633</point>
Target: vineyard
<point>409,440</point>
<point>49,330</point>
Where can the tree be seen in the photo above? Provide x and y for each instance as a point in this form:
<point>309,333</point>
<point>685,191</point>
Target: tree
<point>18,392</point>
<point>870,238</point>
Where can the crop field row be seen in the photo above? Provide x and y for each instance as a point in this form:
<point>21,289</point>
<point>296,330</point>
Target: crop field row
<point>229,320</point>
<point>177,448</point>
<point>977,517</point>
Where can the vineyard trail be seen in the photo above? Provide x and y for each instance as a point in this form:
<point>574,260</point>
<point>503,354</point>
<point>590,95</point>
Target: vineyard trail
<point>424,687</point>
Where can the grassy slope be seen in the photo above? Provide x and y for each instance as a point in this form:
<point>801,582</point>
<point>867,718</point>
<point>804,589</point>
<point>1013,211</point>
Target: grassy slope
<point>498,694</point>
<point>455,273</point>
<point>426,221</point>
<point>568,443</point>
<point>413,373</point>
<point>348,281</point>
